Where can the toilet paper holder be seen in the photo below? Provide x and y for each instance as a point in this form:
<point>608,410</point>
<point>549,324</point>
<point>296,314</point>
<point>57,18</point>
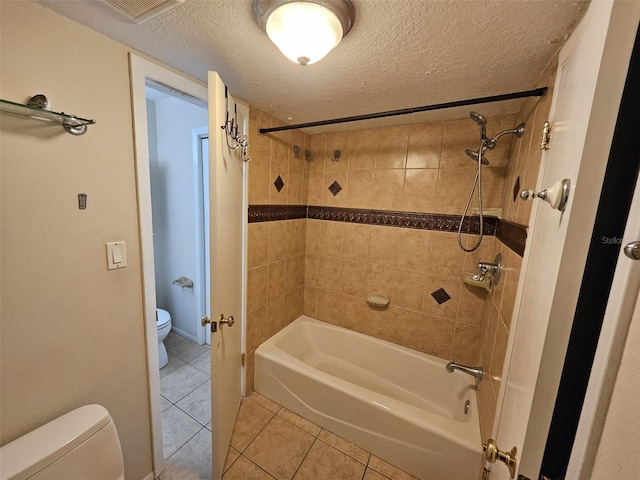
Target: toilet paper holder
<point>183,282</point>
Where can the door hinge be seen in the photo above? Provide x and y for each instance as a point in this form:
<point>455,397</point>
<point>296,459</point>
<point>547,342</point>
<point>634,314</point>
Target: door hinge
<point>522,477</point>
<point>243,359</point>
<point>486,474</point>
<point>546,136</point>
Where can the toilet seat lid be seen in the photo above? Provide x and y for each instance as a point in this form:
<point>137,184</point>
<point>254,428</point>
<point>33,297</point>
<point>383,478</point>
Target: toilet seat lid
<point>163,317</point>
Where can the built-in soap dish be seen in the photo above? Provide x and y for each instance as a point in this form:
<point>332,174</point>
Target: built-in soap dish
<point>487,212</point>
<point>477,280</point>
<point>377,300</point>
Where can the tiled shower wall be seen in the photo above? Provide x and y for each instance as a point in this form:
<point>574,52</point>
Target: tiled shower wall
<point>275,277</point>
<point>498,308</point>
<point>416,168</point>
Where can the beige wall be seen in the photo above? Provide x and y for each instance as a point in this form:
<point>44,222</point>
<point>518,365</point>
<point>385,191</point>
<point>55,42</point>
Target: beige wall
<point>72,333</point>
<point>499,304</point>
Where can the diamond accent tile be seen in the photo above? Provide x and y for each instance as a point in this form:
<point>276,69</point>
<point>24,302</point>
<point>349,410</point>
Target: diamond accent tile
<point>335,188</point>
<point>279,183</point>
<point>440,296</point>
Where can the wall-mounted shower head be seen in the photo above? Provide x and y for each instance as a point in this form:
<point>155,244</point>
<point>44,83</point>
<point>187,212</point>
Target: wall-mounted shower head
<point>480,120</point>
<point>474,156</point>
<point>518,131</point>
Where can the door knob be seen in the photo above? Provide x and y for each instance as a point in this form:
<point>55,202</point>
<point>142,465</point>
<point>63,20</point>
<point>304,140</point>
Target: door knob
<point>632,250</point>
<point>228,321</point>
<point>204,321</point>
<point>493,453</point>
<point>557,195</point>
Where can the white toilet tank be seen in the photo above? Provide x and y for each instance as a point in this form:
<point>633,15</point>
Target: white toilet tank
<point>82,444</point>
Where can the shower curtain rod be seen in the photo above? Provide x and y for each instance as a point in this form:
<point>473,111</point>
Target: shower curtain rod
<point>538,92</point>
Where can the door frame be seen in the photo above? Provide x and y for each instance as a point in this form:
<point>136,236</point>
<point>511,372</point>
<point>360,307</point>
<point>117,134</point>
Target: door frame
<point>201,207</point>
<point>140,70</point>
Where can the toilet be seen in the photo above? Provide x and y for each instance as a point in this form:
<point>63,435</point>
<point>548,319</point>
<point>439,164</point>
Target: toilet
<point>163,323</point>
<point>80,444</point>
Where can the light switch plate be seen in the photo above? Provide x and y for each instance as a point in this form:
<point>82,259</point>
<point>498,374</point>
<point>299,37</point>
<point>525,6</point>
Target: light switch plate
<point>116,255</point>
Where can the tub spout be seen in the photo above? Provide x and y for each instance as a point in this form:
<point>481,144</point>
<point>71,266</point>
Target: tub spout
<point>473,371</point>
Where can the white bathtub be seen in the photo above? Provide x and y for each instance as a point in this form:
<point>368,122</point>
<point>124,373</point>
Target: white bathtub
<point>399,404</point>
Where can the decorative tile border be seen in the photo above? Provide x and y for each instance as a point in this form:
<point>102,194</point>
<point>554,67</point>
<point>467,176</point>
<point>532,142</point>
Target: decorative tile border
<point>421,221</point>
<point>272,213</point>
<point>513,235</point>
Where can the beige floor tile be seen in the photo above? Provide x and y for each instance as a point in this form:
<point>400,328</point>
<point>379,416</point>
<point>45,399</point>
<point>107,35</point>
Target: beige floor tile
<point>198,403</point>
<point>389,470</point>
<point>307,425</point>
<point>174,363</point>
<point>181,382</point>
<point>280,448</point>
<point>203,362</point>
<point>325,462</point>
<point>192,461</point>
<point>344,446</point>
<point>232,456</point>
<point>251,419</point>
<point>264,402</point>
<point>373,475</point>
<point>177,429</point>
<point>244,469</point>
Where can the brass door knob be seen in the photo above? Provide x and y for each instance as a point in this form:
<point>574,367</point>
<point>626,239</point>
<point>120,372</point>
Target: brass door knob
<point>228,321</point>
<point>493,453</point>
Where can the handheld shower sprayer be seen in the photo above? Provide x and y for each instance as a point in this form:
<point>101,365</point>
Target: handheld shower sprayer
<point>480,120</point>
<point>478,156</point>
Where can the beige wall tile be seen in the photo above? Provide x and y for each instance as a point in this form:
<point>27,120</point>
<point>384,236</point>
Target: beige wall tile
<point>499,354</point>
<point>387,189</point>
<point>486,407</point>
<point>331,238</point>
<point>380,279</point>
<point>259,180</point>
<point>413,249</point>
<point>330,273</point>
<point>328,198</point>
<point>406,327</point>
<point>276,278</point>
<point>360,188</point>
<point>425,145</point>
<point>249,368</point>
<point>277,240</point>
<point>310,301</point>
<point>448,309</point>
<point>290,306</point>
<point>258,248</point>
<point>409,289</point>
<point>354,278</point>
<point>356,242</point>
<point>291,273</point>
<point>454,185</point>
<point>362,153</point>
<point>312,236</point>
<point>465,343</point>
<point>257,284</point>
<point>355,312</point>
<point>419,193</point>
<point>257,322</point>
<point>338,141</point>
<point>376,322</point>
<point>276,315</point>
<point>330,306</point>
<point>296,177</point>
<point>471,304</point>
<point>392,147</point>
<point>311,270</point>
<point>294,235</point>
<point>383,245</point>
<point>445,256</point>
<point>459,135</point>
<point>436,336</point>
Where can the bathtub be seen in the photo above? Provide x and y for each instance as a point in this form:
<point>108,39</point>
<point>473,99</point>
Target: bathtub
<point>397,403</point>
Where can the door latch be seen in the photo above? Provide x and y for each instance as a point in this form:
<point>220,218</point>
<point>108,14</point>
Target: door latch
<point>492,453</point>
<point>214,324</point>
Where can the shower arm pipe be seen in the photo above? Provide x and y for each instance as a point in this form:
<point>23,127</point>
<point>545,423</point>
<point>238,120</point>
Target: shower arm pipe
<point>538,92</point>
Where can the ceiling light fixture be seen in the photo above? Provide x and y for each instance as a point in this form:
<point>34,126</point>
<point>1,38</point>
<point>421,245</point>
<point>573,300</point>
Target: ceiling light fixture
<point>305,31</point>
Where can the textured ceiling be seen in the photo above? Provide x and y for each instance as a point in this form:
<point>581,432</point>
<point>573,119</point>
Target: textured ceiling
<point>399,54</point>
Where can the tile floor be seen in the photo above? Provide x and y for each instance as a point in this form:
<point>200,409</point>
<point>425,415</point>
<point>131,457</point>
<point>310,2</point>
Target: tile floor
<point>268,442</point>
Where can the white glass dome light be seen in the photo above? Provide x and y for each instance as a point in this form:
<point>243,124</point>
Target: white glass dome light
<point>305,30</point>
